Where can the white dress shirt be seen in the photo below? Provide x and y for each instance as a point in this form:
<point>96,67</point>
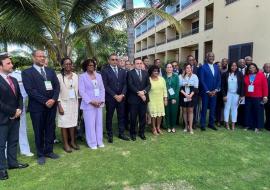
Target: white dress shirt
<point>211,66</point>
<point>38,68</point>
<point>5,77</point>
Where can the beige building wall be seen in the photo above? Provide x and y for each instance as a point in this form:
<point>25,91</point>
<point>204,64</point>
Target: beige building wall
<point>244,21</point>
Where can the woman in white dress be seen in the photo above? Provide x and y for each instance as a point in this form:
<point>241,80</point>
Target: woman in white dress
<point>68,105</point>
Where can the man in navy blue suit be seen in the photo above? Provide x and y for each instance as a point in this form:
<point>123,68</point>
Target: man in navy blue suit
<point>115,84</point>
<point>42,87</point>
<point>210,82</point>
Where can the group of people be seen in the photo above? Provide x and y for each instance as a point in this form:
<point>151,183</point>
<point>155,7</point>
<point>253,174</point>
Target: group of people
<point>139,92</point>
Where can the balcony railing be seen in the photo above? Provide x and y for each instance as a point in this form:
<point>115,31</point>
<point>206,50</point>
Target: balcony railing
<point>185,5</point>
<point>138,50</point>
<point>150,46</point>
<point>160,43</point>
<point>193,31</point>
<point>227,2</point>
<point>208,26</point>
<point>173,38</point>
<point>145,48</point>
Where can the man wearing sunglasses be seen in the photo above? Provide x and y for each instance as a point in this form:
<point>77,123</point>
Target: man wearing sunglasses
<point>114,80</point>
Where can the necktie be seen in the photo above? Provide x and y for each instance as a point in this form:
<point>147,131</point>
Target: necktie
<point>115,71</point>
<point>140,75</point>
<point>11,84</point>
<point>43,73</point>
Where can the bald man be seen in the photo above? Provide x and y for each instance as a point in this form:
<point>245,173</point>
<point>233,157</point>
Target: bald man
<point>248,60</point>
<point>210,83</point>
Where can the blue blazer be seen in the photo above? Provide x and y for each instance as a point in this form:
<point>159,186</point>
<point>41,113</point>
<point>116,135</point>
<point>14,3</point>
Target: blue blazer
<point>113,85</point>
<point>207,81</point>
<point>35,87</point>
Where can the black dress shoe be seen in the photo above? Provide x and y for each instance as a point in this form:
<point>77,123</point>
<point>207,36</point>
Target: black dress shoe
<point>52,156</point>
<point>133,137</point>
<point>213,128</point>
<point>202,128</point>
<point>123,137</point>
<point>110,139</point>
<point>41,160</point>
<point>18,166</point>
<point>79,138</point>
<point>3,175</point>
<point>142,137</point>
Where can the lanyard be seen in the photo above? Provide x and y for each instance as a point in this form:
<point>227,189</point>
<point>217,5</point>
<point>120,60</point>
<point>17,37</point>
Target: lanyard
<point>252,78</point>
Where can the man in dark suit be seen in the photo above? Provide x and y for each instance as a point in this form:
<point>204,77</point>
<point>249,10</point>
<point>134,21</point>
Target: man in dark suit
<point>138,88</point>
<point>266,69</point>
<point>11,105</point>
<point>42,87</point>
<point>115,83</point>
<point>241,108</point>
<point>210,83</point>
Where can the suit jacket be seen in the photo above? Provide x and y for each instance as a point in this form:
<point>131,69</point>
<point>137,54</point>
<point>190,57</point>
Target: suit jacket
<point>135,85</point>
<point>34,85</point>
<point>113,85</point>
<point>240,83</point>
<point>86,90</point>
<point>9,102</point>
<point>207,81</point>
<point>268,82</point>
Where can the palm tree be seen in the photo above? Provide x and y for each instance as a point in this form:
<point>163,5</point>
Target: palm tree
<point>59,24</point>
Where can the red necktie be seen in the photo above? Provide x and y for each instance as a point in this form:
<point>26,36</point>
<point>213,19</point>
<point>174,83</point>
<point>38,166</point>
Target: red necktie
<point>11,84</point>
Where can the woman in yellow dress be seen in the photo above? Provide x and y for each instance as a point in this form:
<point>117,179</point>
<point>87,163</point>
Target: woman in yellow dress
<point>157,98</point>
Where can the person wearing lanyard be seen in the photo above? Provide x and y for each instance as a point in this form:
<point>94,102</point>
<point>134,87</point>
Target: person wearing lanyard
<point>68,104</point>
<point>256,92</point>
<point>266,69</point>
<point>92,91</point>
<point>210,82</point>
<point>171,110</point>
<point>232,89</point>
<point>42,86</point>
<point>188,83</point>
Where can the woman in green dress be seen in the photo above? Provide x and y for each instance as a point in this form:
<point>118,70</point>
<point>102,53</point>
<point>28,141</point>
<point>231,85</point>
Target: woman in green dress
<point>171,110</point>
<point>157,98</point>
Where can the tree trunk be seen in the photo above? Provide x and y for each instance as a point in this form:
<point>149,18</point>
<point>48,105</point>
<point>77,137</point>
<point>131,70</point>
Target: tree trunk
<point>130,31</point>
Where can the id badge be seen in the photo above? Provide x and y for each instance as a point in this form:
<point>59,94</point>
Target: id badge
<point>72,94</point>
<point>96,92</point>
<point>251,88</point>
<point>186,100</point>
<point>48,85</point>
<point>171,91</point>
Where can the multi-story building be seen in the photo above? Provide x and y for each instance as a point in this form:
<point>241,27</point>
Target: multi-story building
<point>230,28</point>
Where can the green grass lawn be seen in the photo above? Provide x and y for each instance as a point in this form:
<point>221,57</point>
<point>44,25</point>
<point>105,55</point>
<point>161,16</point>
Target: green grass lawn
<point>206,160</point>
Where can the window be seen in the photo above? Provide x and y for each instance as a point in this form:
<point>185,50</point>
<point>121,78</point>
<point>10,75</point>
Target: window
<point>227,2</point>
<point>240,51</point>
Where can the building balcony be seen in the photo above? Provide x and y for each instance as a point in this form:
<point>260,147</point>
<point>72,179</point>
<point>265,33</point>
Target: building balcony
<point>173,38</point>
<point>151,46</point>
<point>208,26</point>
<point>187,4</point>
<point>138,50</point>
<point>189,33</point>
<point>145,48</point>
<point>160,43</point>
